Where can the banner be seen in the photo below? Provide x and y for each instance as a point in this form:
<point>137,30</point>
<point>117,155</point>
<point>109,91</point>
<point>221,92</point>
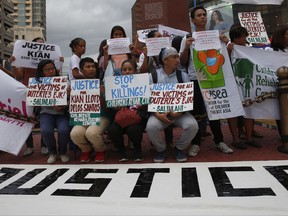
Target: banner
<point>13,132</point>
<point>85,102</point>
<point>49,91</point>
<point>127,90</point>
<point>217,83</point>
<point>29,54</point>
<point>255,73</point>
<point>253,23</point>
<point>171,32</point>
<point>257,2</point>
<point>175,97</point>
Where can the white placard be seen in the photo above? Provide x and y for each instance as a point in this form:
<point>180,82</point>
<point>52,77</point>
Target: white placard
<point>154,45</point>
<point>205,40</point>
<point>118,46</point>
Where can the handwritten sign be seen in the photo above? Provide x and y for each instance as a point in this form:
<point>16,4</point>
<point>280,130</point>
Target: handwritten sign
<point>127,90</point>
<point>154,45</point>
<point>49,91</point>
<point>206,40</point>
<point>29,54</point>
<point>175,97</point>
<point>118,46</point>
<point>85,102</point>
<point>254,24</point>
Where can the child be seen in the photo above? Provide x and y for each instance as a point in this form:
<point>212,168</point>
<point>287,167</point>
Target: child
<point>78,47</point>
<point>88,137</point>
<point>51,117</point>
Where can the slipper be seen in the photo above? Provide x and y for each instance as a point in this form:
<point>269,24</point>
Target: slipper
<point>239,145</point>
<point>282,149</point>
<point>253,143</point>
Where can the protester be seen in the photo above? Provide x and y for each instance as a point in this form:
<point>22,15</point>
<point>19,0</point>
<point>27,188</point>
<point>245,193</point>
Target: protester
<point>199,18</point>
<point>112,63</point>
<point>169,59</point>
<point>100,60</point>
<point>53,117</point>
<point>78,47</point>
<point>23,74</point>
<point>135,131</point>
<point>89,138</point>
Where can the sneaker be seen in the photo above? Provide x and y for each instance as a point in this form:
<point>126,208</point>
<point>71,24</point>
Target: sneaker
<point>193,151</point>
<point>100,156</point>
<point>64,158</point>
<point>52,158</point>
<point>44,150</point>
<point>256,134</point>
<point>180,155</point>
<point>160,157</point>
<point>223,147</point>
<point>123,157</point>
<point>138,157</point>
<point>28,152</point>
<point>85,157</point>
<point>239,145</point>
<point>253,143</point>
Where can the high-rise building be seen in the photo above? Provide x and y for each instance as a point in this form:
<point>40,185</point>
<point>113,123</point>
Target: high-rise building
<point>6,25</point>
<point>149,13</point>
<point>30,19</point>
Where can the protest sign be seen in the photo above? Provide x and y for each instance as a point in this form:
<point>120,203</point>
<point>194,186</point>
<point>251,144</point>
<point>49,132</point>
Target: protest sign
<point>257,2</point>
<point>255,73</point>
<point>171,32</point>
<point>118,46</point>
<point>48,91</point>
<point>217,83</point>
<point>253,23</point>
<point>29,54</point>
<point>13,132</point>
<point>205,40</point>
<point>143,34</point>
<point>127,90</point>
<point>154,45</point>
<point>175,97</point>
<point>85,102</point>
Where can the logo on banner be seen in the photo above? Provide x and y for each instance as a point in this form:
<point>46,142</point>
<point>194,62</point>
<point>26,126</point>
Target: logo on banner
<point>208,64</point>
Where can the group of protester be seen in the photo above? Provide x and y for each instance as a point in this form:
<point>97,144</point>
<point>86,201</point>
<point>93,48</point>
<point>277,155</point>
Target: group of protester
<point>90,140</point>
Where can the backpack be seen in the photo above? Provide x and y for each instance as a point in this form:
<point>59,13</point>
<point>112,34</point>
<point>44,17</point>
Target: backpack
<point>178,75</point>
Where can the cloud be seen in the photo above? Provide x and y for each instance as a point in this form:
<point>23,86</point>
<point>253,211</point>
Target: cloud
<point>91,20</point>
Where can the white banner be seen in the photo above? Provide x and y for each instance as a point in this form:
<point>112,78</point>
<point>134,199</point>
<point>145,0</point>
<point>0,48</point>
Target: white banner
<point>217,82</point>
<point>127,90</point>
<point>191,189</point>
<point>29,54</point>
<point>171,32</point>
<point>255,73</point>
<point>257,2</point>
<point>13,132</point>
<point>175,97</point>
<point>49,91</point>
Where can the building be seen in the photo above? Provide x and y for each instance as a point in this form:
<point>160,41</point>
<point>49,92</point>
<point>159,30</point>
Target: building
<point>30,19</point>
<point>272,15</point>
<point>6,25</point>
<point>149,13</point>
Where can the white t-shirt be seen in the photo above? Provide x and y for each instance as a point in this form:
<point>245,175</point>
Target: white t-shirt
<point>191,68</point>
<point>74,63</point>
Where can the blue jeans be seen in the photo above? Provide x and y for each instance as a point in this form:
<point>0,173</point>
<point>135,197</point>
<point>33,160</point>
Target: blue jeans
<point>47,124</point>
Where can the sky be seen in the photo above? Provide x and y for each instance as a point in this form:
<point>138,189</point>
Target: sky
<point>91,20</point>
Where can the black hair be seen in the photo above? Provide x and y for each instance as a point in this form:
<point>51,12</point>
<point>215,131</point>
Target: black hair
<point>101,51</point>
<point>161,56</point>
<point>37,38</point>
<point>237,32</point>
<point>119,28</point>
<point>84,60</point>
<point>74,43</point>
<point>130,61</point>
<point>176,42</point>
<point>151,34</point>
<point>212,22</point>
<point>41,64</point>
<point>278,38</point>
<point>192,12</point>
